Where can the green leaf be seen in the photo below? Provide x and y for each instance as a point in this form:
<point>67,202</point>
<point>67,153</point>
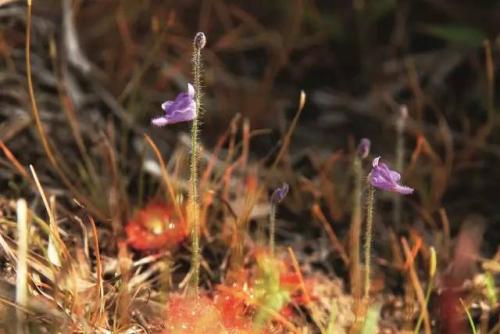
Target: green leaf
<point>490,288</point>
<point>371,321</point>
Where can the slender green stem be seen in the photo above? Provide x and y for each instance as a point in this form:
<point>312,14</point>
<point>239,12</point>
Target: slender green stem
<point>272,227</point>
<point>194,201</point>
<point>469,317</point>
<point>368,238</point>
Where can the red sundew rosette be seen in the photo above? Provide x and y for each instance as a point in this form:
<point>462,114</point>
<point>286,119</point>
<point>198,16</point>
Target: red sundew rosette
<point>155,227</point>
<point>192,315</point>
<point>225,313</point>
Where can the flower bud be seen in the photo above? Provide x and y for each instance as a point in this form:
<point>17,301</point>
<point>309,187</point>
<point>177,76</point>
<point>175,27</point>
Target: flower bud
<point>279,193</point>
<point>200,40</point>
<point>364,148</point>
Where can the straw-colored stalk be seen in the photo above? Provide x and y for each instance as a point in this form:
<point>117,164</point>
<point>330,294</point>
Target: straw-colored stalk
<point>22,264</point>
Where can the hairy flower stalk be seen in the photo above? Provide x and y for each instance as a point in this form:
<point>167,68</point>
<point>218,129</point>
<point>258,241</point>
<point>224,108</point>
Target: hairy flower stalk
<point>187,107</point>
<point>278,195</point>
<point>356,219</point>
<point>386,179</point>
<point>194,200</point>
<point>368,238</point>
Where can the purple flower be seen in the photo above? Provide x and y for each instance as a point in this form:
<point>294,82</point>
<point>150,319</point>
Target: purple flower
<point>384,178</point>
<point>279,193</point>
<point>182,109</point>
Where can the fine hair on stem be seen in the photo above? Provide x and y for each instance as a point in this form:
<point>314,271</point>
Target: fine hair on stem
<point>194,200</point>
<point>368,237</point>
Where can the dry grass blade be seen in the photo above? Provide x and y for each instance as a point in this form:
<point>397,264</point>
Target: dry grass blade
<point>22,263</point>
<point>70,112</point>
<point>98,316</point>
<point>14,160</point>
<point>38,122</point>
<point>54,233</point>
<point>36,261</point>
<point>288,135</point>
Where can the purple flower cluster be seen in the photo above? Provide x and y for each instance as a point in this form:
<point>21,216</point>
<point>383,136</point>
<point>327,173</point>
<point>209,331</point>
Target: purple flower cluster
<point>383,178</point>
<point>182,109</point>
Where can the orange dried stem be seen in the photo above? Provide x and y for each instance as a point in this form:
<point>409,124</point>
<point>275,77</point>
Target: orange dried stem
<point>14,160</point>
<point>417,286</point>
<point>413,253</point>
<point>296,267</point>
<point>288,135</point>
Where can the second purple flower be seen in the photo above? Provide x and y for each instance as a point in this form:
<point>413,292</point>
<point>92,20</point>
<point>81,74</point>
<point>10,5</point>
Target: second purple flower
<point>182,109</point>
<point>383,178</point>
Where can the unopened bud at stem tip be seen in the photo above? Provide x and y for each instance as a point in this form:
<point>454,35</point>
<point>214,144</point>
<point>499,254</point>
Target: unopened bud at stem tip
<point>200,40</point>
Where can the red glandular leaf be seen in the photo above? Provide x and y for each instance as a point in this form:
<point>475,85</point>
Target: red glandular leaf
<point>230,301</point>
<point>155,228</point>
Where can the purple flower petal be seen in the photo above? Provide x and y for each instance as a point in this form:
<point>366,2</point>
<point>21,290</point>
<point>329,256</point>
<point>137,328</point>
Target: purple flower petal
<point>403,190</point>
<point>182,109</point>
<point>395,176</point>
<point>166,105</point>
<point>384,178</point>
<point>159,121</point>
<point>190,91</point>
<point>390,175</point>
